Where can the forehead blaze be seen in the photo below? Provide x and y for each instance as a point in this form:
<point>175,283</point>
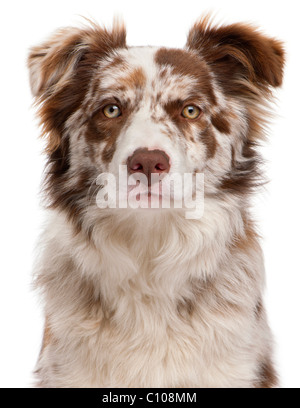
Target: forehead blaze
<point>187,64</point>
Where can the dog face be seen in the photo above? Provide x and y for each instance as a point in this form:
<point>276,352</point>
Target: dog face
<point>156,110</point>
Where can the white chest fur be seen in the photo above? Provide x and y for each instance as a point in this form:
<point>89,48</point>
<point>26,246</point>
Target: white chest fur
<point>172,312</point>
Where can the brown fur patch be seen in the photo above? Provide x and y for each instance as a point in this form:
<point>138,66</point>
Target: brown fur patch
<point>47,335</point>
<point>185,308</point>
<point>209,139</point>
<point>174,109</point>
<point>249,239</point>
<point>117,61</point>
<point>245,244</point>
<point>109,151</point>
<point>185,63</point>
<point>267,377</point>
<point>210,293</point>
<point>71,192</point>
<point>220,122</point>
<point>245,175</point>
<point>259,308</point>
<point>135,79</point>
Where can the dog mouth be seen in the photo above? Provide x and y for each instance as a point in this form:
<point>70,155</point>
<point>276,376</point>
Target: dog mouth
<point>168,192</point>
<point>147,190</point>
<point>151,195</point>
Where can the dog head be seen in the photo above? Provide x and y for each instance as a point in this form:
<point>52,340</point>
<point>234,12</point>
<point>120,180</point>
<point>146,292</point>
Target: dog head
<point>199,109</point>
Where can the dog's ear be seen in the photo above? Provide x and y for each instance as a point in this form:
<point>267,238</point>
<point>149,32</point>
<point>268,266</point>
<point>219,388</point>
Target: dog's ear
<point>54,62</point>
<point>238,51</point>
<point>61,68</point>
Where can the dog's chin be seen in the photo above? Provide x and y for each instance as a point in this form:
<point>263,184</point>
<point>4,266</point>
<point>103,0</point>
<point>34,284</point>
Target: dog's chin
<point>149,201</point>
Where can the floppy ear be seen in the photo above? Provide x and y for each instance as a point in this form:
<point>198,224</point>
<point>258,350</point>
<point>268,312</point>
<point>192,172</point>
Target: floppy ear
<point>60,71</point>
<point>238,51</point>
<point>54,61</point>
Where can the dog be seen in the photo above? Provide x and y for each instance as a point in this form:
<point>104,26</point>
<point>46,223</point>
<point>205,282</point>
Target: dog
<point>150,297</point>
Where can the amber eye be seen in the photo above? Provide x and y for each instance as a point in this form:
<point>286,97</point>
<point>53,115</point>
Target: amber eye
<point>111,111</point>
<point>191,112</point>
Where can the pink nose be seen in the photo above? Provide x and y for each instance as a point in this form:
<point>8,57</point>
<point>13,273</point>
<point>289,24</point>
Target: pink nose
<point>148,161</point>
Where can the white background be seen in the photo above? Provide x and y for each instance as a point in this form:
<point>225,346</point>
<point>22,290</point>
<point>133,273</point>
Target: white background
<point>162,22</point>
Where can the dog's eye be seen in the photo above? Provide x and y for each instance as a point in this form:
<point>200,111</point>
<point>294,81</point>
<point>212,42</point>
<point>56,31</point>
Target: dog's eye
<point>190,112</point>
<point>111,111</point>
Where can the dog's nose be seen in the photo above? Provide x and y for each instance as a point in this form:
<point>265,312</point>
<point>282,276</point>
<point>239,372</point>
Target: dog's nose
<point>148,161</point>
